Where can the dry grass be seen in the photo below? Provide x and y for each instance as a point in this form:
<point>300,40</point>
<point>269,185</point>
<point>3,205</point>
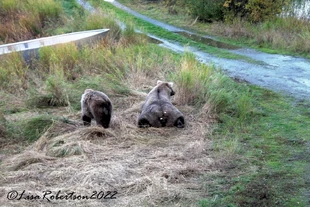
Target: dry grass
<point>147,167</point>
<point>287,34</point>
<point>152,167</point>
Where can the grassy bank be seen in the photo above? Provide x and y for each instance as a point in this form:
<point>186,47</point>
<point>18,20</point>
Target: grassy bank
<point>242,145</point>
<point>280,35</point>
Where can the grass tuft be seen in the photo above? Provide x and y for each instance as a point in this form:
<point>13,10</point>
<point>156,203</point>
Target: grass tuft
<point>35,127</point>
<point>29,129</point>
<point>192,80</point>
<point>60,60</point>
<point>13,72</point>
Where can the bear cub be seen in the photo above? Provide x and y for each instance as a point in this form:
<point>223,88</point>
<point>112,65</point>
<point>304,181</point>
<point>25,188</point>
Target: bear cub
<point>158,111</point>
<point>96,105</point>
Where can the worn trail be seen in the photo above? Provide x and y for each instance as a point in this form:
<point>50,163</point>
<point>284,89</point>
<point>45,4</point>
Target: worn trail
<point>281,73</point>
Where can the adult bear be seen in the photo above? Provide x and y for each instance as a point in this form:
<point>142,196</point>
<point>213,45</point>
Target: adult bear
<point>96,105</point>
<point>158,111</point>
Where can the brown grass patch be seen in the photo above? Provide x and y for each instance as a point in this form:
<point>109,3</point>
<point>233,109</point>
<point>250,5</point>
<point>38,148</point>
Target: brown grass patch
<point>147,167</point>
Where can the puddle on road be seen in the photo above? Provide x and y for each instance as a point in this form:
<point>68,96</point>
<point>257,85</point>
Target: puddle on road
<point>208,41</point>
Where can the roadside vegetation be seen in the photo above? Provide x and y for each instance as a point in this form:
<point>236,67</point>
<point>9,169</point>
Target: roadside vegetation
<point>242,146</point>
<point>254,23</point>
<point>24,20</point>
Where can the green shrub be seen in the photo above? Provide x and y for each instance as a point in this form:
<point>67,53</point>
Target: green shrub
<point>72,8</point>
<point>253,10</point>
<point>261,10</point>
<point>219,10</point>
<point>206,10</point>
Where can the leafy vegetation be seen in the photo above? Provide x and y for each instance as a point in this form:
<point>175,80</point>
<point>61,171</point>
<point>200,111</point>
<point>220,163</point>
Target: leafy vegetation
<point>251,10</point>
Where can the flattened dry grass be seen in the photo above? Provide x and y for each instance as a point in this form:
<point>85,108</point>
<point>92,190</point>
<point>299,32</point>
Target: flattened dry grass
<point>145,166</point>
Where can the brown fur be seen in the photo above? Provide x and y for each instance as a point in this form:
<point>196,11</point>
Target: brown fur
<point>158,111</point>
<point>96,105</point>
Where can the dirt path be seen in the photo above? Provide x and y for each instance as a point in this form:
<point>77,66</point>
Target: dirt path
<point>280,73</point>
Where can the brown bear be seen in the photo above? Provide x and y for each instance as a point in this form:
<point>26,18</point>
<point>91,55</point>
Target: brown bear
<point>158,111</point>
<point>96,105</point>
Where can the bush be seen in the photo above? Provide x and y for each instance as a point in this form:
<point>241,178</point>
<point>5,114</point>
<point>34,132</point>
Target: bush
<point>219,10</point>
<point>261,10</point>
<point>206,10</point>
<point>253,10</point>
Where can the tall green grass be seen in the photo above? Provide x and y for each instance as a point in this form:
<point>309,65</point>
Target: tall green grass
<point>9,6</point>
<point>204,84</point>
<point>24,20</point>
<point>13,72</point>
<point>61,59</point>
<point>97,20</point>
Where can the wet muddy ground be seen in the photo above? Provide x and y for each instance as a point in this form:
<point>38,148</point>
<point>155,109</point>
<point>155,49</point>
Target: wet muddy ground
<point>281,73</point>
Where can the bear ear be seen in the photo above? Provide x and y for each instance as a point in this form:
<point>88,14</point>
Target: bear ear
<point>88,90</point>
<point>159,82</point>
<point>170,84</point>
